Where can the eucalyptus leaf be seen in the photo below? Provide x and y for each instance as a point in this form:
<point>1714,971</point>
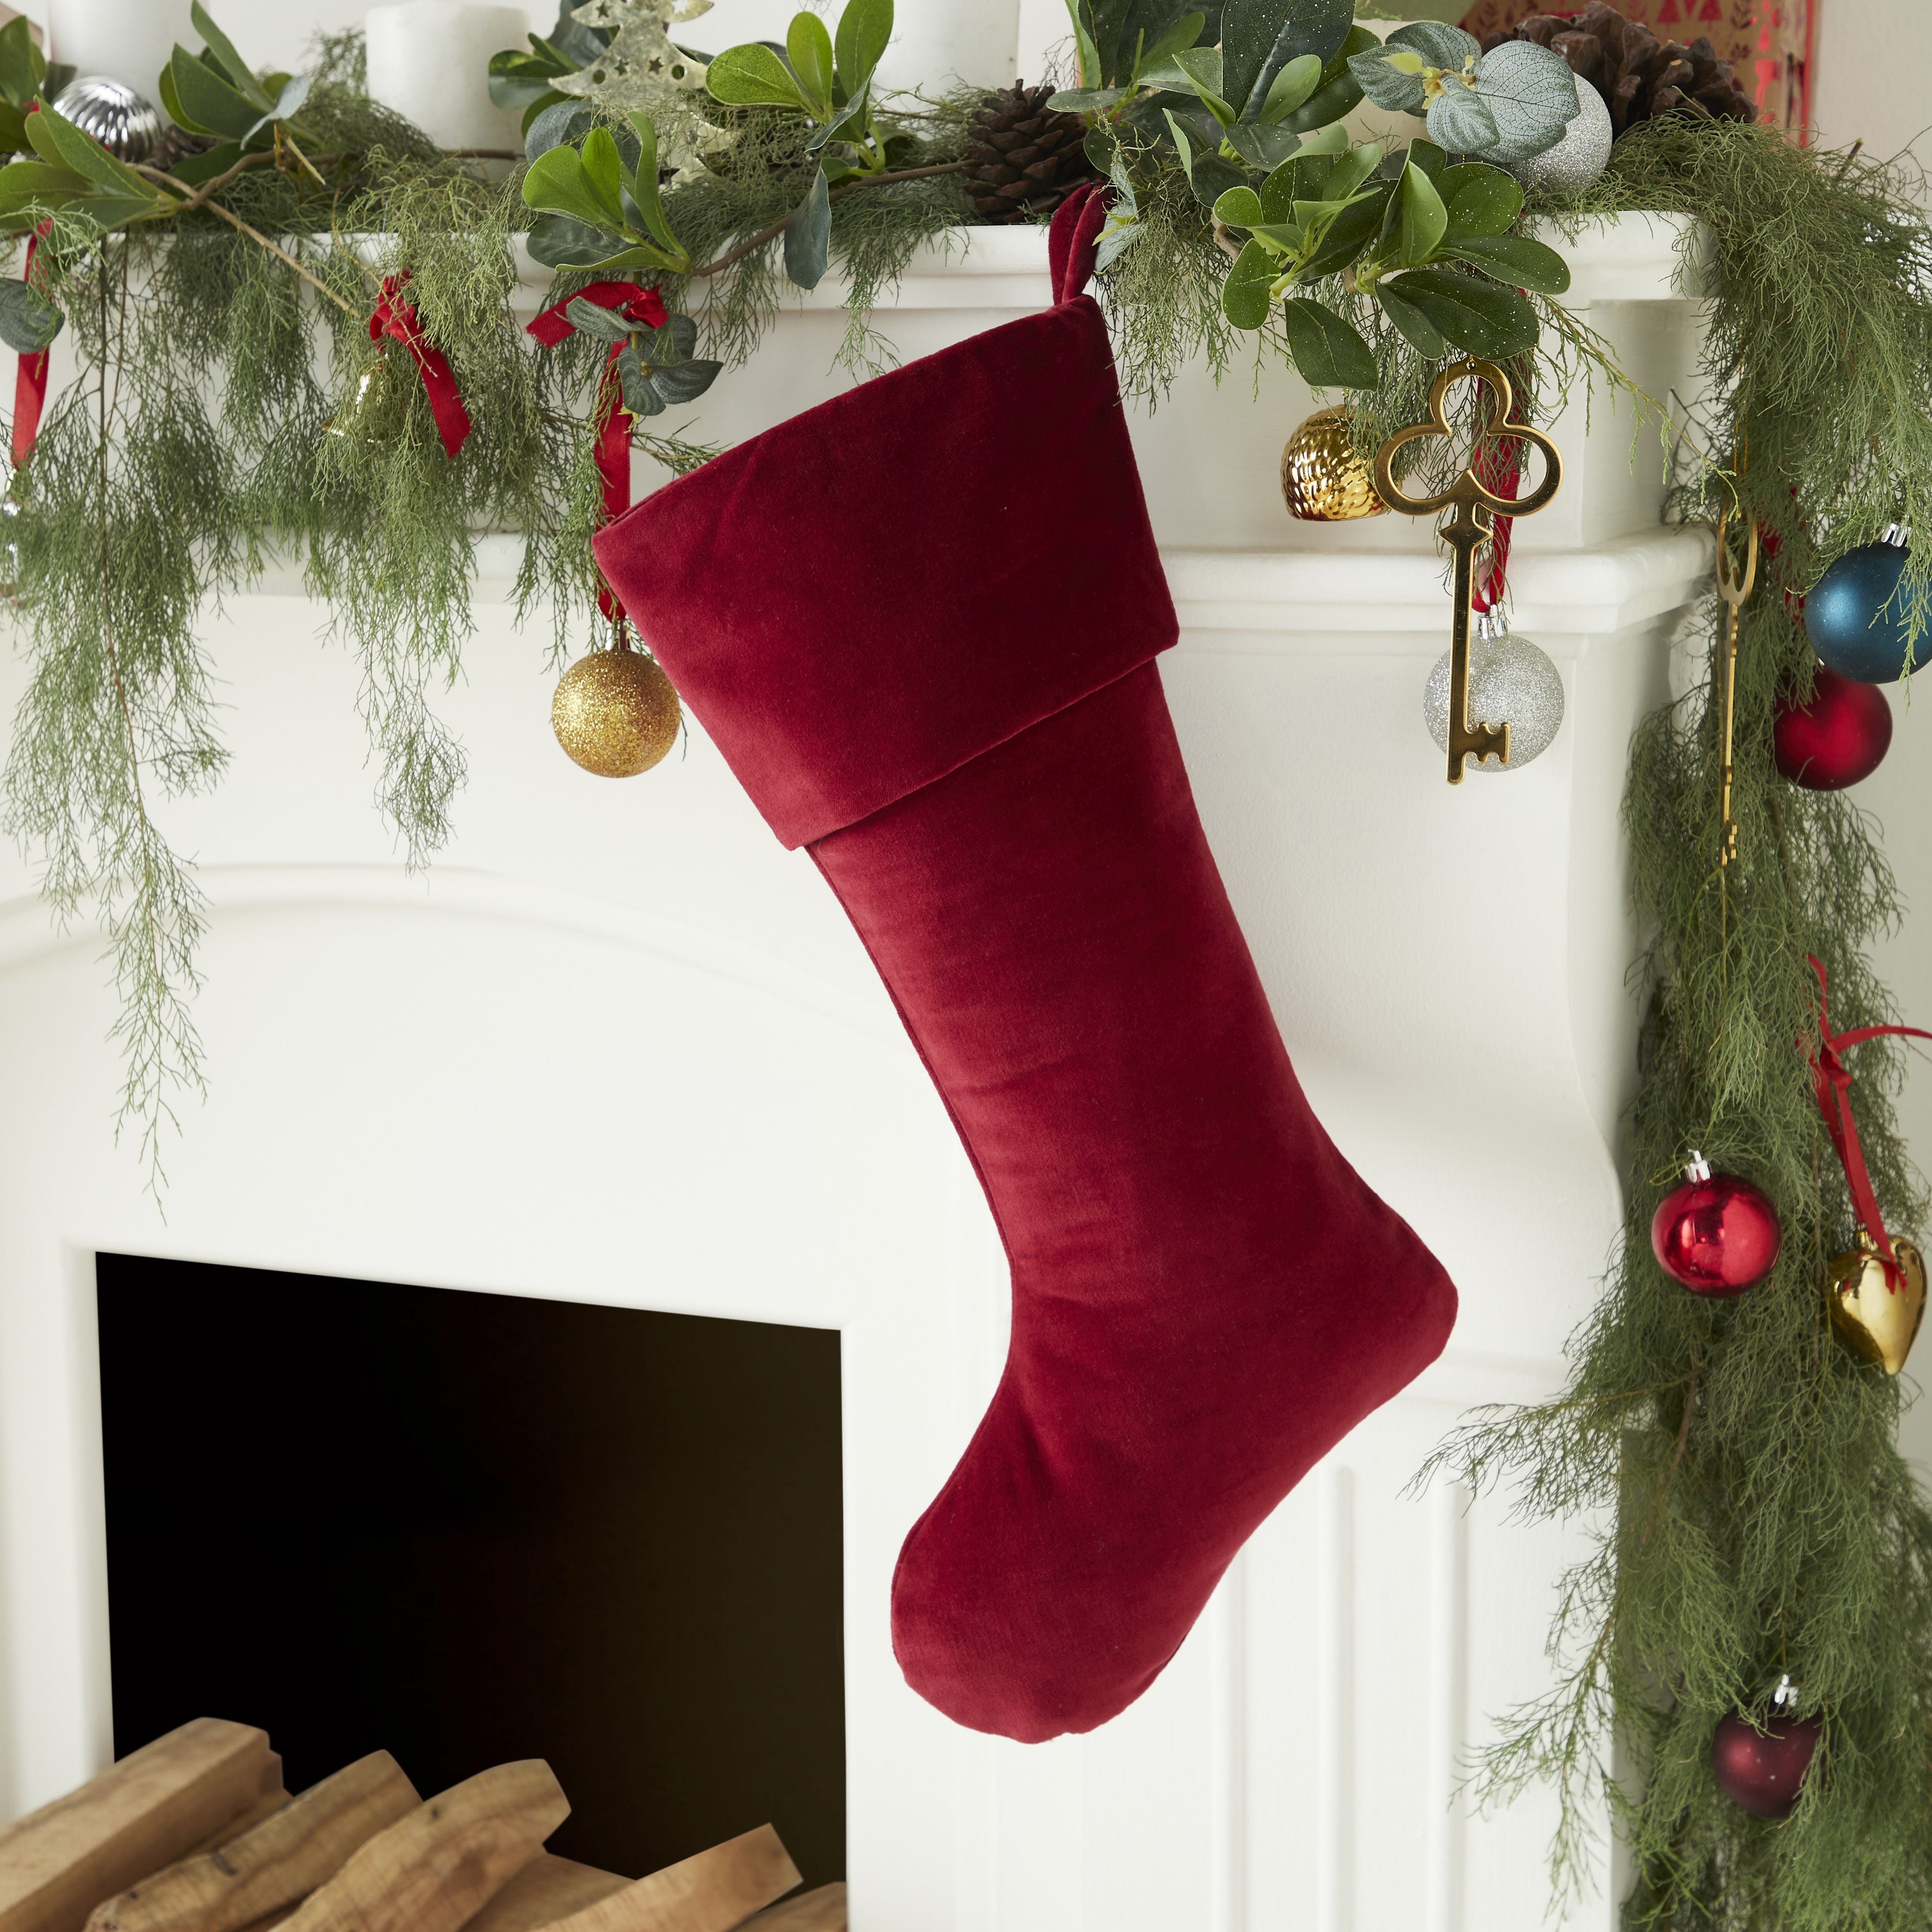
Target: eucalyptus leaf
<point>1212,177</point>
<point>1328,351</point>
<point>1084,99</point>
<point>1531,94</point>
<point>200,101</point>
<point>808,236</point>
<point>590,318</point>
<point>1259,37</point>
<point>1422,334</point>
<point>1388,85</point>
<point>1461,121</point>
<point>557,183</point>
<point>561,122</point>
<point>1484,203</point>
<point>1244,295</point>
<point>28,322</point>
<point>864,28</point>
<point>1201,67</point>
<point>684,381</point>
<point>1292,86</point>
<point>1472,312</point>
<point>23,66</point>
<point>602,175</point>
<point>239,74</point>
<point>1339,91</point>
<point>1260,146</point>
<point>853,112</point>
<point>1281,190</point>
<point>752,75</point>
<point>1515,259</point>
<point>559,242</point>
<point>288,102</point>
<point>639,392</point>
<point>809,49</point>
<point>1348,234</point>
<point>1440,44</point>
<point>1240,207</point>
<point>1423,218</point>
<point>1092,72</point>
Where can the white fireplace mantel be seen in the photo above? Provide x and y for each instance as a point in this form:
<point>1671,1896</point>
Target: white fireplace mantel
<point>617,1045</point>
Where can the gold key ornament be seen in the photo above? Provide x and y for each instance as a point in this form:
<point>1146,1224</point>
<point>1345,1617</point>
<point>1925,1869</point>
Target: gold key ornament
<point>1474,509</point>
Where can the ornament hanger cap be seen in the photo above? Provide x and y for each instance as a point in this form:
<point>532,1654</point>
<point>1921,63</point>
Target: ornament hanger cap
<point>1895,536</point>
<point>1696,1167</point>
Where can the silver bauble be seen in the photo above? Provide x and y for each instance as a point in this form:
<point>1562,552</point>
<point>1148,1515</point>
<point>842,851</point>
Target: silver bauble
<point>126,123</point>
<point>1579,158</point>
<point>1510,682</point>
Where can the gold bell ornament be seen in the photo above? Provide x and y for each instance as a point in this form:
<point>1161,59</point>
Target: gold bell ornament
<point>1877,1311</point>
<point>374,413</point>
<point>1323,478</point>
<point>615,712</point>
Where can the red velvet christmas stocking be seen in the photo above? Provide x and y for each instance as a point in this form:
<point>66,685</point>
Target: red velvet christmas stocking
<point>920,621</point>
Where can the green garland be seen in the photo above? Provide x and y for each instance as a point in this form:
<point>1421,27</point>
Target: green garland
<point>1757,1519</point>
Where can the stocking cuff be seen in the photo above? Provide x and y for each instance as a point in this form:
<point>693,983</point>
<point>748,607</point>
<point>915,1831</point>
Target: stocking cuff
<point>859,601</point>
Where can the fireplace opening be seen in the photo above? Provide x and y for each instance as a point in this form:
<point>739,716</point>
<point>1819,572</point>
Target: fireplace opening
<point>467,1529</point>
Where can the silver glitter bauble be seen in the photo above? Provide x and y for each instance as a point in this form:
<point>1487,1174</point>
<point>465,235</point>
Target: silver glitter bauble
<point>1579,158</point>
<point>126,123</point>
<point>1510,682</point>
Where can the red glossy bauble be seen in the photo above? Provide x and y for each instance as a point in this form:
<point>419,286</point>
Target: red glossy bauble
<point>1763,1772</point>
<point>1838,738</point>
<point>1716,1234</point>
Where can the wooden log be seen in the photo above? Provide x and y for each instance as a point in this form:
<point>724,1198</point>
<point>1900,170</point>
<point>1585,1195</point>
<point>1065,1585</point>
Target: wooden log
<point>265,1806</point>
<point>58,1863</point>
<point>712,1892</point>
<point>438,1867</point>
<point>547,1889</point>
<point>285,1857</point>
<point>820,1911</point>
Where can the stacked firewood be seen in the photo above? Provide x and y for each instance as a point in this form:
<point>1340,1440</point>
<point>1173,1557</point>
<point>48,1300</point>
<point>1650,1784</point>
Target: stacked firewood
<point>195,1834</point>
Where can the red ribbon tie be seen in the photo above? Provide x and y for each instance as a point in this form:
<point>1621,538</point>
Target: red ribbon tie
<point>1831,1083</point>
<point>645,306</point>
<point>30,378</point>
<point>396,318</point>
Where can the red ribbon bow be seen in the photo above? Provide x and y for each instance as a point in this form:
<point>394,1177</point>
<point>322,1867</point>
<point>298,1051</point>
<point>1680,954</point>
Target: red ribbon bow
<point>397,319</point>
<point>30,378</point>
<point>1498,468</point>
<point>1831,1082</point>
<point>645,308</point>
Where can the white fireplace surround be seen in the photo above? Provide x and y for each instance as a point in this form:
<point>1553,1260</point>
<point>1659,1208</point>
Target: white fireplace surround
<point>618,1046</point>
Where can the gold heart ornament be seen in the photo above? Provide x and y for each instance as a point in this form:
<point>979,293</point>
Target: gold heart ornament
<point>1878,1316</point>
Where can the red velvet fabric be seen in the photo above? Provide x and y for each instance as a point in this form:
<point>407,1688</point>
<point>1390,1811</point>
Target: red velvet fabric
<point>976,746</point>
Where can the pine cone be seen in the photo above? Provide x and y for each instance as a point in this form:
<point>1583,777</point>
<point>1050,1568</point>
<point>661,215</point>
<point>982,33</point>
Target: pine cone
<point>1638,75</point>
<point>1023,159</point>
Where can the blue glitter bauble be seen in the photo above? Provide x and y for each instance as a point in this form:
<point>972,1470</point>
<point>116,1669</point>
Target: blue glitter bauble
<point>1840,614</point>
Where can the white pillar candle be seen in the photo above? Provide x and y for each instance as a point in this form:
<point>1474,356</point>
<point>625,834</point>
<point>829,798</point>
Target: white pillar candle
<point>430,60</point>
<point>128,41</point>
<point>935,43</point>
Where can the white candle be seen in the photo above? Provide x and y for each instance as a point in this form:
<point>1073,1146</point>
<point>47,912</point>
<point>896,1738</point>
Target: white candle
<point>430,60</point>
<point>128,41</point>
<point>937,42</point>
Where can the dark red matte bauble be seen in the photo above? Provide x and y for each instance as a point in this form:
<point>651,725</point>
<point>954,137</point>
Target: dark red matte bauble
<point>1763,1772</point>
<point>1716,1234</point>
<point>1838,738</point>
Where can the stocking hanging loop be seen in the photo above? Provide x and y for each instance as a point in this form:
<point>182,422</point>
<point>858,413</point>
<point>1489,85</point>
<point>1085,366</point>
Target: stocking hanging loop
<point>1073,240</point>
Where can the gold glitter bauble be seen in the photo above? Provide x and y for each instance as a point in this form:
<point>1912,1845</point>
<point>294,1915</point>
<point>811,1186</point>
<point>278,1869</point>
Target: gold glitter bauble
<point>615,712</point>
<point>1323,480</point>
